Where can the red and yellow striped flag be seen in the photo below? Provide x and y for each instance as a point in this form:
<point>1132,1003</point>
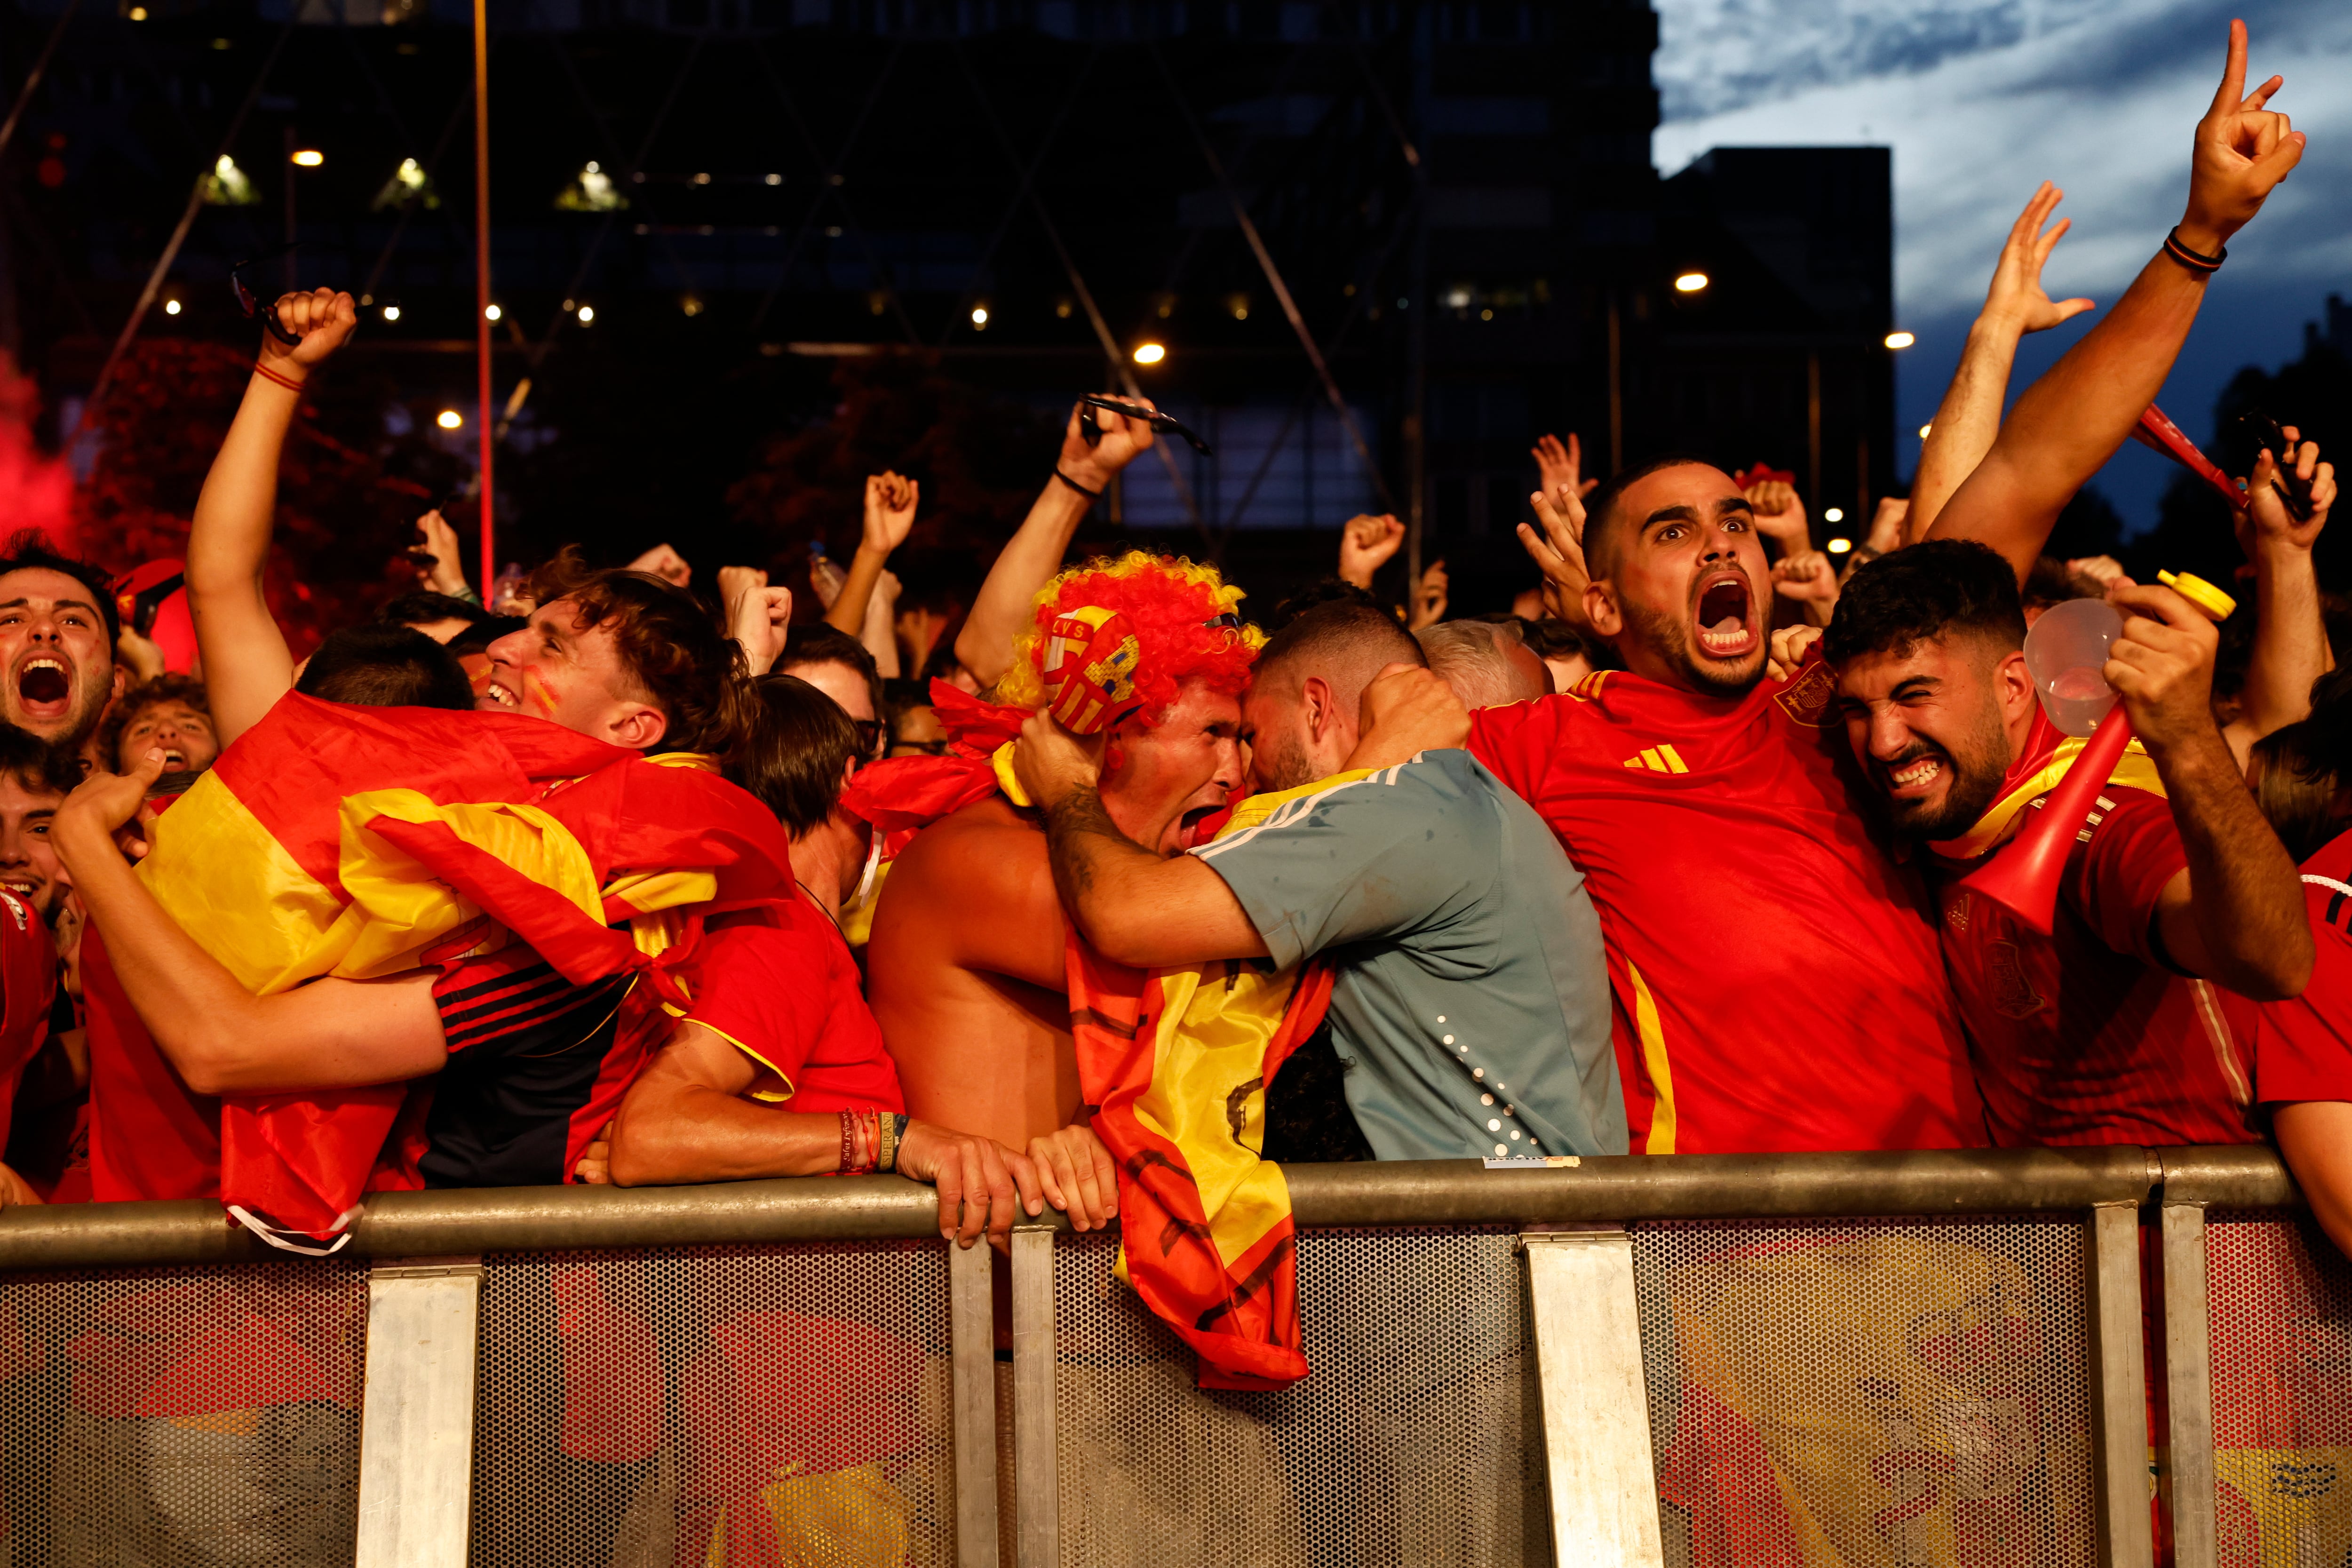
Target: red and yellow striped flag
<point>355,842</point>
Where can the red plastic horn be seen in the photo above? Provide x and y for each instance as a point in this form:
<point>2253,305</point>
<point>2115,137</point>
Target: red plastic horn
<point>2064,653</point>
<point>2162,435</point>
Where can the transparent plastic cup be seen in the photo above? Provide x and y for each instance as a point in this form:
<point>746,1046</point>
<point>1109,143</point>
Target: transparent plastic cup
<point>2064,653</point>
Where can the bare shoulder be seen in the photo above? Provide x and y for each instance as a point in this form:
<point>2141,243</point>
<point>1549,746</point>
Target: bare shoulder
<point>975,890</point>
<point>987,845</point>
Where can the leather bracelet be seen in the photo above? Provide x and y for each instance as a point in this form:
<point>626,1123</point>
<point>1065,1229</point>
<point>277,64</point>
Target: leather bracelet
<point>287,382</point>
<point>2194,260</point>
<point>894,1132</point>
<point>1090,495</point>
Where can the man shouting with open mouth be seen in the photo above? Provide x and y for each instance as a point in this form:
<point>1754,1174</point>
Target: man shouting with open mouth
<point>57,633</point>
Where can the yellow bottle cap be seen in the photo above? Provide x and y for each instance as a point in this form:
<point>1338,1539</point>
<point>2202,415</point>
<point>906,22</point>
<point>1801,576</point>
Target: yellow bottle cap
<point>2199,592</point>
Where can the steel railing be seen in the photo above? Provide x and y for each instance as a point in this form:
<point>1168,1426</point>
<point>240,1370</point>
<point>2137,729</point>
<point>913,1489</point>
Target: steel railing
<point>416,1463</point>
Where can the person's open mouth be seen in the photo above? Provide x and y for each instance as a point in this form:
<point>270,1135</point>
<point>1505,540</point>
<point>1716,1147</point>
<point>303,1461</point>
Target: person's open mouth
<point>496,695</point>
<point>175,760</point>
<point>24,887</point>
<point>45,687</point>
<point>1725,606</point>
<point>1188,826</point>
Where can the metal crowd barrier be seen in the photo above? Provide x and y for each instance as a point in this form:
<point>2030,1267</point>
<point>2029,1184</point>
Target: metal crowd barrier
<point>1934,1358</point>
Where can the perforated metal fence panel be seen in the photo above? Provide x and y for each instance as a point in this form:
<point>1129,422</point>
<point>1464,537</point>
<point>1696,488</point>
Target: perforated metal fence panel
<point>189,1418</point>
<point>2279,1310</point>
<point>1885,1392</point>
<point>1414,1439</point>
<point>728,1405</point>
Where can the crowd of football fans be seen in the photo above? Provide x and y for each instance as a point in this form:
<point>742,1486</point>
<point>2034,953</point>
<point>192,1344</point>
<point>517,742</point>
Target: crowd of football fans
<point>1679,856</point>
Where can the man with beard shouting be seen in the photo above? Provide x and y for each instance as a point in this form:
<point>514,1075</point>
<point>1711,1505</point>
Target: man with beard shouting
<point>1777,981</point>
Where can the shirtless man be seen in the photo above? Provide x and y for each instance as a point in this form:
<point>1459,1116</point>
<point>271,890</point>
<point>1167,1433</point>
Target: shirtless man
<point>968,961</point>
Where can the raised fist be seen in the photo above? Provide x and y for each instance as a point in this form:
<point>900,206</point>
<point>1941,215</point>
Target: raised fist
<point>1117,442</point>
<point>322,320</point>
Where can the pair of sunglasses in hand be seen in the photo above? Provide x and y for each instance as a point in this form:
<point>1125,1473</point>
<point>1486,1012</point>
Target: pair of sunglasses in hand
<point>1165,424</point>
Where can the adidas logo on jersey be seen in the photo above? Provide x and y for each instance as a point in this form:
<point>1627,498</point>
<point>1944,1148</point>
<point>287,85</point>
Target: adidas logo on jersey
<point>1658,760</point>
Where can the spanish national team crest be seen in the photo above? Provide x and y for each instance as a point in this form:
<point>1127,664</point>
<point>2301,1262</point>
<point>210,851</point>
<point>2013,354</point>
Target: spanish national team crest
<point>1809,697</point>
<point>1088,662</point>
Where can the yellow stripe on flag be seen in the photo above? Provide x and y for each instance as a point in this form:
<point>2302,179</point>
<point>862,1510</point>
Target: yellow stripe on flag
<point>228,882</point>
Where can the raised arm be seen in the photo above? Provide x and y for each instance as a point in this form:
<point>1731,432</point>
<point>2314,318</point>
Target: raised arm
<point>1135,907</point>
<point>2072,419</point>
<point>247,667</point>
<point>890,501</point>
<point>1970,416</point>
<point>219,1037</point>
<point>2290,648</point>
<point>1034,554</point>
<point>2236,915</point>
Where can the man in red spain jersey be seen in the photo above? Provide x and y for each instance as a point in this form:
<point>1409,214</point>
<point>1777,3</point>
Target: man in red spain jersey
<point>2302,777</point>
<point>1777,979</point>
<point>2120,1026</point>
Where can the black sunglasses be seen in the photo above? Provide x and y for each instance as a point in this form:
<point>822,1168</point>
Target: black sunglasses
<point>869,736</point>
<point>252,303</point>
<point>1166,424</point>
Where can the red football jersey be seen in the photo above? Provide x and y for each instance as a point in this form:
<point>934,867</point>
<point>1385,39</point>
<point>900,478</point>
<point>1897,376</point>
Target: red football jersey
<point>1776,976</point>
<point>2303,1048</point>
<point>2086,1036</point>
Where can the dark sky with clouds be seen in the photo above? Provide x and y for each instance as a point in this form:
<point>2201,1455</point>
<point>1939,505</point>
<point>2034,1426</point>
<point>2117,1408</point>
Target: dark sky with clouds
<point>1982,101</point>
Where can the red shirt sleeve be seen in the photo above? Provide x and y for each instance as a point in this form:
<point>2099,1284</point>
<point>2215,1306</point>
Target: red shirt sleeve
<point>2113,881</point>
<point>783,988</point>
<point>2304,1048</point>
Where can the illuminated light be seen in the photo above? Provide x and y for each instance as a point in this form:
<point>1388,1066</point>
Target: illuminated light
<point>1458,298</point>
<point>308,157</point>
<point>1840,546</point>
<point>492,312</point>
<point>571,305</point>
<point>139,13</point>
<point>1923,431</point>
<point>1061,309</point>
<point>701,179</point>
<point>1486,315</point>
<point>223,44</point>
<point>1834,514</point>
<point>1901,340</point>
<point>587,314</point>
<point>1690,282</point>
<point>592,167</point>
<point>980,316</point>
<point>775,179</point>
<point>690,305</point>
<point>170,307</point>
<point>449,419</point>
<point>1150,353</point>
<point>392,312</point>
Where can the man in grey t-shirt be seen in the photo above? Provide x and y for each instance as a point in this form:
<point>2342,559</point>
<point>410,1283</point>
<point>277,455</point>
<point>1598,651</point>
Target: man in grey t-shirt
<point>1471,1000</point>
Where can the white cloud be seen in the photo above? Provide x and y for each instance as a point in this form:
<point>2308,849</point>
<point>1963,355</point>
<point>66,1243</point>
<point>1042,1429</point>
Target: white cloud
<point>1981,103</point>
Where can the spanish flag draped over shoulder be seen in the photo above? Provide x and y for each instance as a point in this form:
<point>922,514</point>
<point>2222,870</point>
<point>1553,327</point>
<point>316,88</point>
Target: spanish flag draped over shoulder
<point>365,842</point>
<point>1177,1061</point>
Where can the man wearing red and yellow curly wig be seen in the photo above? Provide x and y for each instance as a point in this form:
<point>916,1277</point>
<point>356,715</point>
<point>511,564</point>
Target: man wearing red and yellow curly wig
<point>967,965</point>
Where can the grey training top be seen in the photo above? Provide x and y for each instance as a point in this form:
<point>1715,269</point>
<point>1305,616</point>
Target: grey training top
<point>1470,1003</point>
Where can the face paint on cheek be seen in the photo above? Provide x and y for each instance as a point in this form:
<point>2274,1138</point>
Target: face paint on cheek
<point>477,667</point>
<point>540,694</point>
